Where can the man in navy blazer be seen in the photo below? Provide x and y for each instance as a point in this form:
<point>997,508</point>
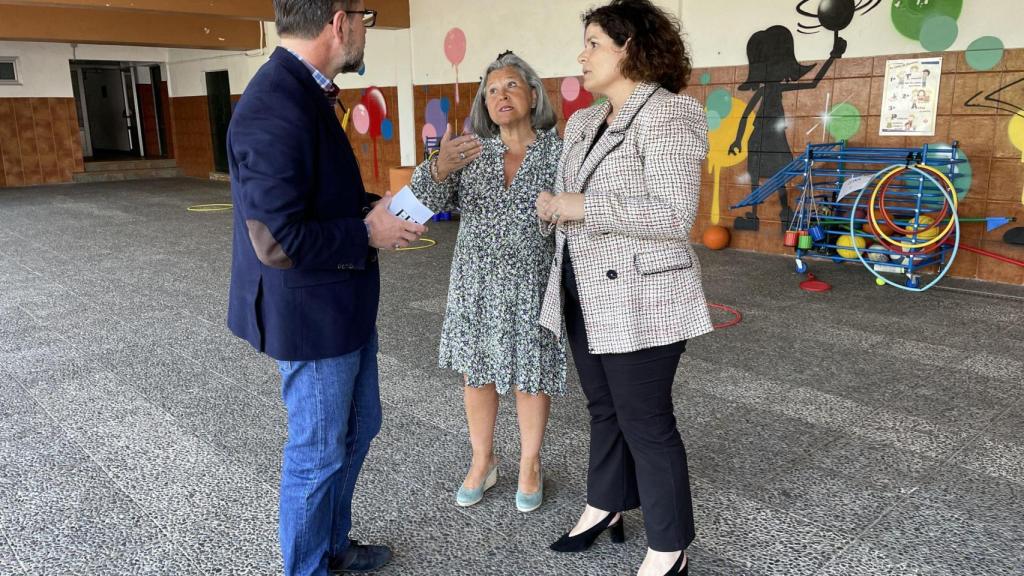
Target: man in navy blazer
<point>304,276</point>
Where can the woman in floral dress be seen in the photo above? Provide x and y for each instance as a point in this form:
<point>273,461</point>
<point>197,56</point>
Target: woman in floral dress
<point>491,332</point>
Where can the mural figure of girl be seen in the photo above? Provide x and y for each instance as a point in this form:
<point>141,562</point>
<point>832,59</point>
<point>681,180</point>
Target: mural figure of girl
<point>773,70</point>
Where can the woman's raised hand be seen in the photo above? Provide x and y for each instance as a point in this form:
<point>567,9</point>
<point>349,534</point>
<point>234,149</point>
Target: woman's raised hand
<point>456,153</point>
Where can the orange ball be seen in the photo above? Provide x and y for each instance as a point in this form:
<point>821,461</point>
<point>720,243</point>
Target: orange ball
<point>716,237</point>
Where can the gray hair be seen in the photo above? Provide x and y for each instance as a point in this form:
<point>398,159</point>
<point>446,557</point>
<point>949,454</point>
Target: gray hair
<point>543,117</point>
<point>306,18</point>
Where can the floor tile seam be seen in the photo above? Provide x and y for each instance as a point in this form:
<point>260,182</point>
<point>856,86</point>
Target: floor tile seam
<point>858,538</point>
<point>136,504</point>
<point>225,378</point>
<point>476,522</point>
<point>180,353</point>
<point>787,513</point>
<point>770,407</point>
<point>982,434</point>
<point>215,448</point>
<point>14,552</point>
<point>400,409</point>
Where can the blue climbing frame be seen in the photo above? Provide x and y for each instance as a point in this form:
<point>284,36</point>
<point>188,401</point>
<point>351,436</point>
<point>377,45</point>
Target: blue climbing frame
<point>824,168</point>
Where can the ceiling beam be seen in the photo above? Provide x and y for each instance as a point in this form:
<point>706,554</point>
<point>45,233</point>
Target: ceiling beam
<point>393,14</point>
<point>244,9</point>
<point>91,26</point>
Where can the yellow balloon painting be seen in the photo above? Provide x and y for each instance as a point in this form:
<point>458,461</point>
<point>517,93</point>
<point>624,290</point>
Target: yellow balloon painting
<point>719,141</point>
<point>1017,137</point>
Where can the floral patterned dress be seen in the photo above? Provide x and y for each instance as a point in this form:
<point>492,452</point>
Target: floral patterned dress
<point>499,270</point>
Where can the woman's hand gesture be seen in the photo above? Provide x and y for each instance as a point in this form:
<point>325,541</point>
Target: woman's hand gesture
<point>456,153</point>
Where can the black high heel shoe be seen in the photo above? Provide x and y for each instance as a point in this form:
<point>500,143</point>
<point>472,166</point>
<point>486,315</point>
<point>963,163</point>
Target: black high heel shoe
<point>680,568</point>
<point>585,540</point>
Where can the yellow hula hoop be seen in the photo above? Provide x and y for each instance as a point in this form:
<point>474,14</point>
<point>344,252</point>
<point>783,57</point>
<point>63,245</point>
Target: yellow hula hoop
<point>906,245</point>
<point>429,244</point>
<point>210,208</point>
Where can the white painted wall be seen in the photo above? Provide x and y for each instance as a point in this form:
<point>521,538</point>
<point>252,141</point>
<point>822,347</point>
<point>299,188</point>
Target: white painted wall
<point>548,34</point>
<point>45,70</point>
<point>388,63</point>
<point>718,30</point>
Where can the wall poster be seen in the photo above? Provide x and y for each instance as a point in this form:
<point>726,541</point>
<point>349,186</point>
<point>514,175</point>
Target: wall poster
<point>910,100</point>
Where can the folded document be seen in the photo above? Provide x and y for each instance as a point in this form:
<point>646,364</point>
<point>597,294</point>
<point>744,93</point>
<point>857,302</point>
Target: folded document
<point>406,206</point>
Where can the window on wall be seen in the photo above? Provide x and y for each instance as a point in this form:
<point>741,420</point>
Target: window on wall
<point>9,71</point>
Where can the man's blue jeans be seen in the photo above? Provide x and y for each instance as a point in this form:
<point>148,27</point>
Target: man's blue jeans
<point>334,412</point>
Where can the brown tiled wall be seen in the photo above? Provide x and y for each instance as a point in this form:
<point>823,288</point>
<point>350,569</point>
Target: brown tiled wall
<point>192,140</point>
<point>147,111</point>
<point>165,101</point>
<point>982,132</point>
<point>39,141</point>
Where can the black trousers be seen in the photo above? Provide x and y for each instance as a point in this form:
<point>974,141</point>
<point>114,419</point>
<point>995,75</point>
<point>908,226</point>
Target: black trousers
<point>637,458</point>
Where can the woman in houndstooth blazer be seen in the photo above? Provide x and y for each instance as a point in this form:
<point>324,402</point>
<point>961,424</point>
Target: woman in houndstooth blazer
<point>625,197</point>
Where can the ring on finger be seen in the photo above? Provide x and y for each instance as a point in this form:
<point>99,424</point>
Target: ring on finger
<point>462,155</point>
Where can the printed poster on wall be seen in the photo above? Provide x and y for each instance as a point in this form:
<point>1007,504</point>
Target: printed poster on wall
<point>911,97</point>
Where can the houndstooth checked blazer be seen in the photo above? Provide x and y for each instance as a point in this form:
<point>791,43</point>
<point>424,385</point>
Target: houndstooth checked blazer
<point>639,279</point>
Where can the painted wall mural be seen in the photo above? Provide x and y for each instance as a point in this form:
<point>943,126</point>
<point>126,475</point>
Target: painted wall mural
<point>931,22</point>
<point>574,96</point>
<point>772,71</point>
<point>436,118</point>
<point>455,51</point>
<point>832,15</point>
<point>370,117</point>
<point>760,117</point>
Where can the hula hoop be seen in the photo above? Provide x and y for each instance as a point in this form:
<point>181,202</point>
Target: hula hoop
<point>429,244</point>
<point>210,208</point>
<point>737,317</point>
<point>906,231</point>
<point>919,169</point>
<point>950,196</point>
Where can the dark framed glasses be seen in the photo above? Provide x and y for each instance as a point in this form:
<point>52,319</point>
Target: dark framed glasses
<point>369,17</point>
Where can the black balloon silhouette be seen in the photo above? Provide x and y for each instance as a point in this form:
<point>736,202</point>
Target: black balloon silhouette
<point>834,15</point>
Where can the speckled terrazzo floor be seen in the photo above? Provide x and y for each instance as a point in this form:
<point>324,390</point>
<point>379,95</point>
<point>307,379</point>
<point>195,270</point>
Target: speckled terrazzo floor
<point>858,432</point>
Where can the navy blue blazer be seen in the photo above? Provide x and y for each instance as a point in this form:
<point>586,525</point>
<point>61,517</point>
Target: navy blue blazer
<point>305,284</point>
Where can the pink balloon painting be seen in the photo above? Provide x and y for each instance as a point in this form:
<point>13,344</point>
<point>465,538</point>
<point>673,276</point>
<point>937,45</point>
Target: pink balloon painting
<point>574,96</point>
<point>361,119</point>
<point>370,116</point>
<point>455,51</point>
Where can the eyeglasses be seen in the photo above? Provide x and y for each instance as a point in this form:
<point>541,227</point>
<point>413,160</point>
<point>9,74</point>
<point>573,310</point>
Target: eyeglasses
<point>369,17</point>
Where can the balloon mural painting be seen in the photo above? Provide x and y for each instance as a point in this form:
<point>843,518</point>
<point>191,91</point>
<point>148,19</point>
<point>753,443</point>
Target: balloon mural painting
<point>833,15</point>
<point>435,118</point>
<point>574,96</point>
<point>370,117</point>
<point>455,51</point>
<point>932,22</point>
<point>1017,137</point>
<point>724,116</point>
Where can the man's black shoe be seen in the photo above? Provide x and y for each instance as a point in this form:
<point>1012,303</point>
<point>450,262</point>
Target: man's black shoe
<point>360,558</point>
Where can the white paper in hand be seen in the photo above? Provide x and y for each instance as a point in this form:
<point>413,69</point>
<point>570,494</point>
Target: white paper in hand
<point>406,206</point>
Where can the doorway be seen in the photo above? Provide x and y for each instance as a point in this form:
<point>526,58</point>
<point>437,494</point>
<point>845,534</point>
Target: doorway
<point>218,95</point>
<point>107,97</point>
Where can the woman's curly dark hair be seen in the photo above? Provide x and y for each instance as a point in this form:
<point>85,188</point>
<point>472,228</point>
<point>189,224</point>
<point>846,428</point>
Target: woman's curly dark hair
<point>656,52</point>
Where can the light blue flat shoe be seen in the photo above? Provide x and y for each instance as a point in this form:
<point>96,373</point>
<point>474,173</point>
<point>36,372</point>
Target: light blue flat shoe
<point>468,497</point>
<point>529,502</point>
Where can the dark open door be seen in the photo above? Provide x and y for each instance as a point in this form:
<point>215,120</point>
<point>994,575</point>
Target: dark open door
<point>218,94</point>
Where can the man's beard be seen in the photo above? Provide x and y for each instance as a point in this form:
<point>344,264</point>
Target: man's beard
<point>353,62</point>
